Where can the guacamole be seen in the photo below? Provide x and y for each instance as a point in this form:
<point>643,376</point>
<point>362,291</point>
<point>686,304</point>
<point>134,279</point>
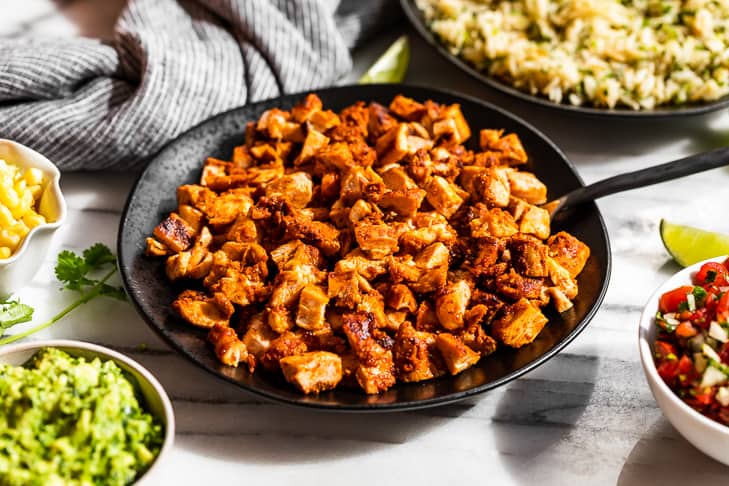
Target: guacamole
<point>65,420</point>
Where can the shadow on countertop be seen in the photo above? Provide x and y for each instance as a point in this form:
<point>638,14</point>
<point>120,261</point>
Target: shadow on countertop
<point>663,458</point>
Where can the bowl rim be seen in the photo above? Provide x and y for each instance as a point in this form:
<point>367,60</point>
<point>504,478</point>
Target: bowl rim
<point>108,353</point>
<point>646,354</point>
<point>49,169</point>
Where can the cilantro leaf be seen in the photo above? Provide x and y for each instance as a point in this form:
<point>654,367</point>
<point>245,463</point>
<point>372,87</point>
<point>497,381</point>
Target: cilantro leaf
<point>113,292</point>
<point>71,270</point>
<point>13,312</point>
<point>97,256</point>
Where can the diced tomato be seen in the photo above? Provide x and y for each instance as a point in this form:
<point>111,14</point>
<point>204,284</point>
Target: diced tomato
<point>668,370</point>
<point>686,370</point>
<point>711,299</point>
<point>704,398</point>
<point>715,272</point>
<point>701,317</point>
<point>670,301</point>
<point>726,263</point>
<point>723,353</point>
<point>686,330</point>
<point>664,350</point>
<point>723,305</point>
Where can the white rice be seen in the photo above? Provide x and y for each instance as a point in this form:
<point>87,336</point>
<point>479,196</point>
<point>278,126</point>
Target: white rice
<point>606,53</point>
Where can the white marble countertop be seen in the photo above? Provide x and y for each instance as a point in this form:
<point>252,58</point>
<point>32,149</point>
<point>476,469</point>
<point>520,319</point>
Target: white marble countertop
<point>585,417</point>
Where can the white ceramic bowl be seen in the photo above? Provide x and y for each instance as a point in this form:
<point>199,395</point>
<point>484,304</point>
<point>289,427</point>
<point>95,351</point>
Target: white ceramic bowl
<point>157,401</point>
<point>710,437</point>
<point>19,269</point>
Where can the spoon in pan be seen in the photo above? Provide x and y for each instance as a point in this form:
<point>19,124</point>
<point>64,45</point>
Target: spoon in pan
<point>640,178</point>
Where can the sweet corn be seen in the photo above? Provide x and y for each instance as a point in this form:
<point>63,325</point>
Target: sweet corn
<point>19,194</point>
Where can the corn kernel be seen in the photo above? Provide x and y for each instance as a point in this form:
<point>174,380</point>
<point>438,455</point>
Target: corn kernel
<point>33,176</point>
<point>33,219</point>
<point>35,191</point>
<point>5,252</point>
<point>6,217</point>
<point>9,239</point>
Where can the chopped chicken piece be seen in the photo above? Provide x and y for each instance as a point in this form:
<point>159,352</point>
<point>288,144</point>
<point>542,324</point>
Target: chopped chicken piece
<point>528,256</point>
<point>192,216</point>
<point>405,202</point>
<point>376,370</point>
<point>294,188</point>
<point>312,308</point>
<point>380,121</point>
<point>518,324</point>
<point>569,252</point>
<point>287,344</point>
<point>243,287</point>
<point>193,263</point>
<point>451,304</point>
<point>444,196</point>
<point>457,356</point>
<point>242,158</point>
<point>509,146</point>
<point>337,156</point>
<point>228,348</point>
<point>323,120</point>
<point>526,186</point>
<point>493,222</point>
<point>407,108</point>
<point>515,286</point>
<point>535,221</point>
<point>312,372</point>
<point>175,233</point>
<point>475,337</point>
<point>560,301</point>
<point>400,297</point>
<point>347,288</point>
<point>304,110</point>
<point>395,319</point>
<point>433,256</point>
<point>156,248</point>
<point>357,261</point>
<point>414,355</point>
<point>377,240</point>
<point>227,206</point>
<point>373,304</point>
<point>395,178</point>
<point>200,310</point>
<point>258,336</point>
<point>561,278</point>
<point>293,254</point>
<point>456,128</point>
<point>322,235</point>
<point>242,230</point>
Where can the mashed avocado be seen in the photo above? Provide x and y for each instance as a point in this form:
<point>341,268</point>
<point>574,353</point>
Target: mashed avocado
<point>68,421</point>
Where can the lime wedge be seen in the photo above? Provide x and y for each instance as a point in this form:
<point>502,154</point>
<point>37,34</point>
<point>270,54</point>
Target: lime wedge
<point>688,245</point>
<point>391,66</point>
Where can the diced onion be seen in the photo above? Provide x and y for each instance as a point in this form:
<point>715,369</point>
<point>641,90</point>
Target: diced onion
<point>722,396</point>
<point>710,353</point>
<point>718,332</point>
<point>691,301</point>
<point>712,377</point>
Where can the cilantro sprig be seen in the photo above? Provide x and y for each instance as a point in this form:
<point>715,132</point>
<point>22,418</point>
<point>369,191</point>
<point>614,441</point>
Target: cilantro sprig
<point>77,273</point>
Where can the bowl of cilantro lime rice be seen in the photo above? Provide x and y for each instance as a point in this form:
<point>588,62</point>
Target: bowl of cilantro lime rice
<point>75,413</point>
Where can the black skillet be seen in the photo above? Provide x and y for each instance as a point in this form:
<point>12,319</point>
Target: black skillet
<point>153,197</point>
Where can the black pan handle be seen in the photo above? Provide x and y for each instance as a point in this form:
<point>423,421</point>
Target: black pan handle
<point>651,175</point>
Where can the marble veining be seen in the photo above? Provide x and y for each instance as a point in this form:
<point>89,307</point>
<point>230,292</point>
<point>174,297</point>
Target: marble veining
<point>585,417</point>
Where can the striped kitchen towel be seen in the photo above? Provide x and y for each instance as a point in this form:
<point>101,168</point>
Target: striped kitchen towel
<point>88,104</point>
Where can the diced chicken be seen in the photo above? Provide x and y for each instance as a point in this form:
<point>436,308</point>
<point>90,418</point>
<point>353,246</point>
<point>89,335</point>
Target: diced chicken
<point>373,304</point>
<point>560,301</point>
<point>400,297</point>
<point>323,120</point>
<point>294,254</point>
<point>228,348</point>
<point>414,355</point>
<point>336,155</point>
<point>242,230</point>
<point>258,336</point>
<point>242,158</point>
<point>295,188</point>
<point>287,344</point>
<point>304,110</point>
<point>380,120</point>
<point>528,256</point>
<point>444,196</point>
<point>407,108</point>
<point>227,206</point>
<point>451,304</point>
<point>313,302</point>
<point>194,263</point>
<point>452,124</point>
<point>175,233</point>
<point>156,248</point>
<point>535,221</point>
<point>366,267</point>
<point>192,216</point>
<point>526,186</point>
<point>509,146</point>
<point>514,286</point>
<point>400,141</point>
<point>395,319</point>
<point>276,125</point>
<point>518,324</point>
<point>433,256</point>
<point>200,310</point>
<point>493,222</point>
<point>377,240</point>
<point>457,356</point>
<point>347,288</point>
<point>312,372</point>
<point>322,235</point>
<point>405,202</point>
<point>395,178</point>
<point>569,252</point>
<point>376,370</point>
<point>475,337</point>
<point>561,278</point>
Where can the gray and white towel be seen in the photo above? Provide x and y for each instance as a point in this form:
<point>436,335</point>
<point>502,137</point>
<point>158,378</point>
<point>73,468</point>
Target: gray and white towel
<point>88,104</point>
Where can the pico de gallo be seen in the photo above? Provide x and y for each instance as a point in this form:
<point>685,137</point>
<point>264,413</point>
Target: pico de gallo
<point>692,345</point>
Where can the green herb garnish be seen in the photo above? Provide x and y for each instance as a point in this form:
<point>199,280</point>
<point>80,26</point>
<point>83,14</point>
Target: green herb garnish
<point>13,312</point>
<point>75,272</point>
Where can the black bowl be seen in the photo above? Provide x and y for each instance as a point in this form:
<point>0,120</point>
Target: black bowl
<point>180,162</point>
<point>417,19</point>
